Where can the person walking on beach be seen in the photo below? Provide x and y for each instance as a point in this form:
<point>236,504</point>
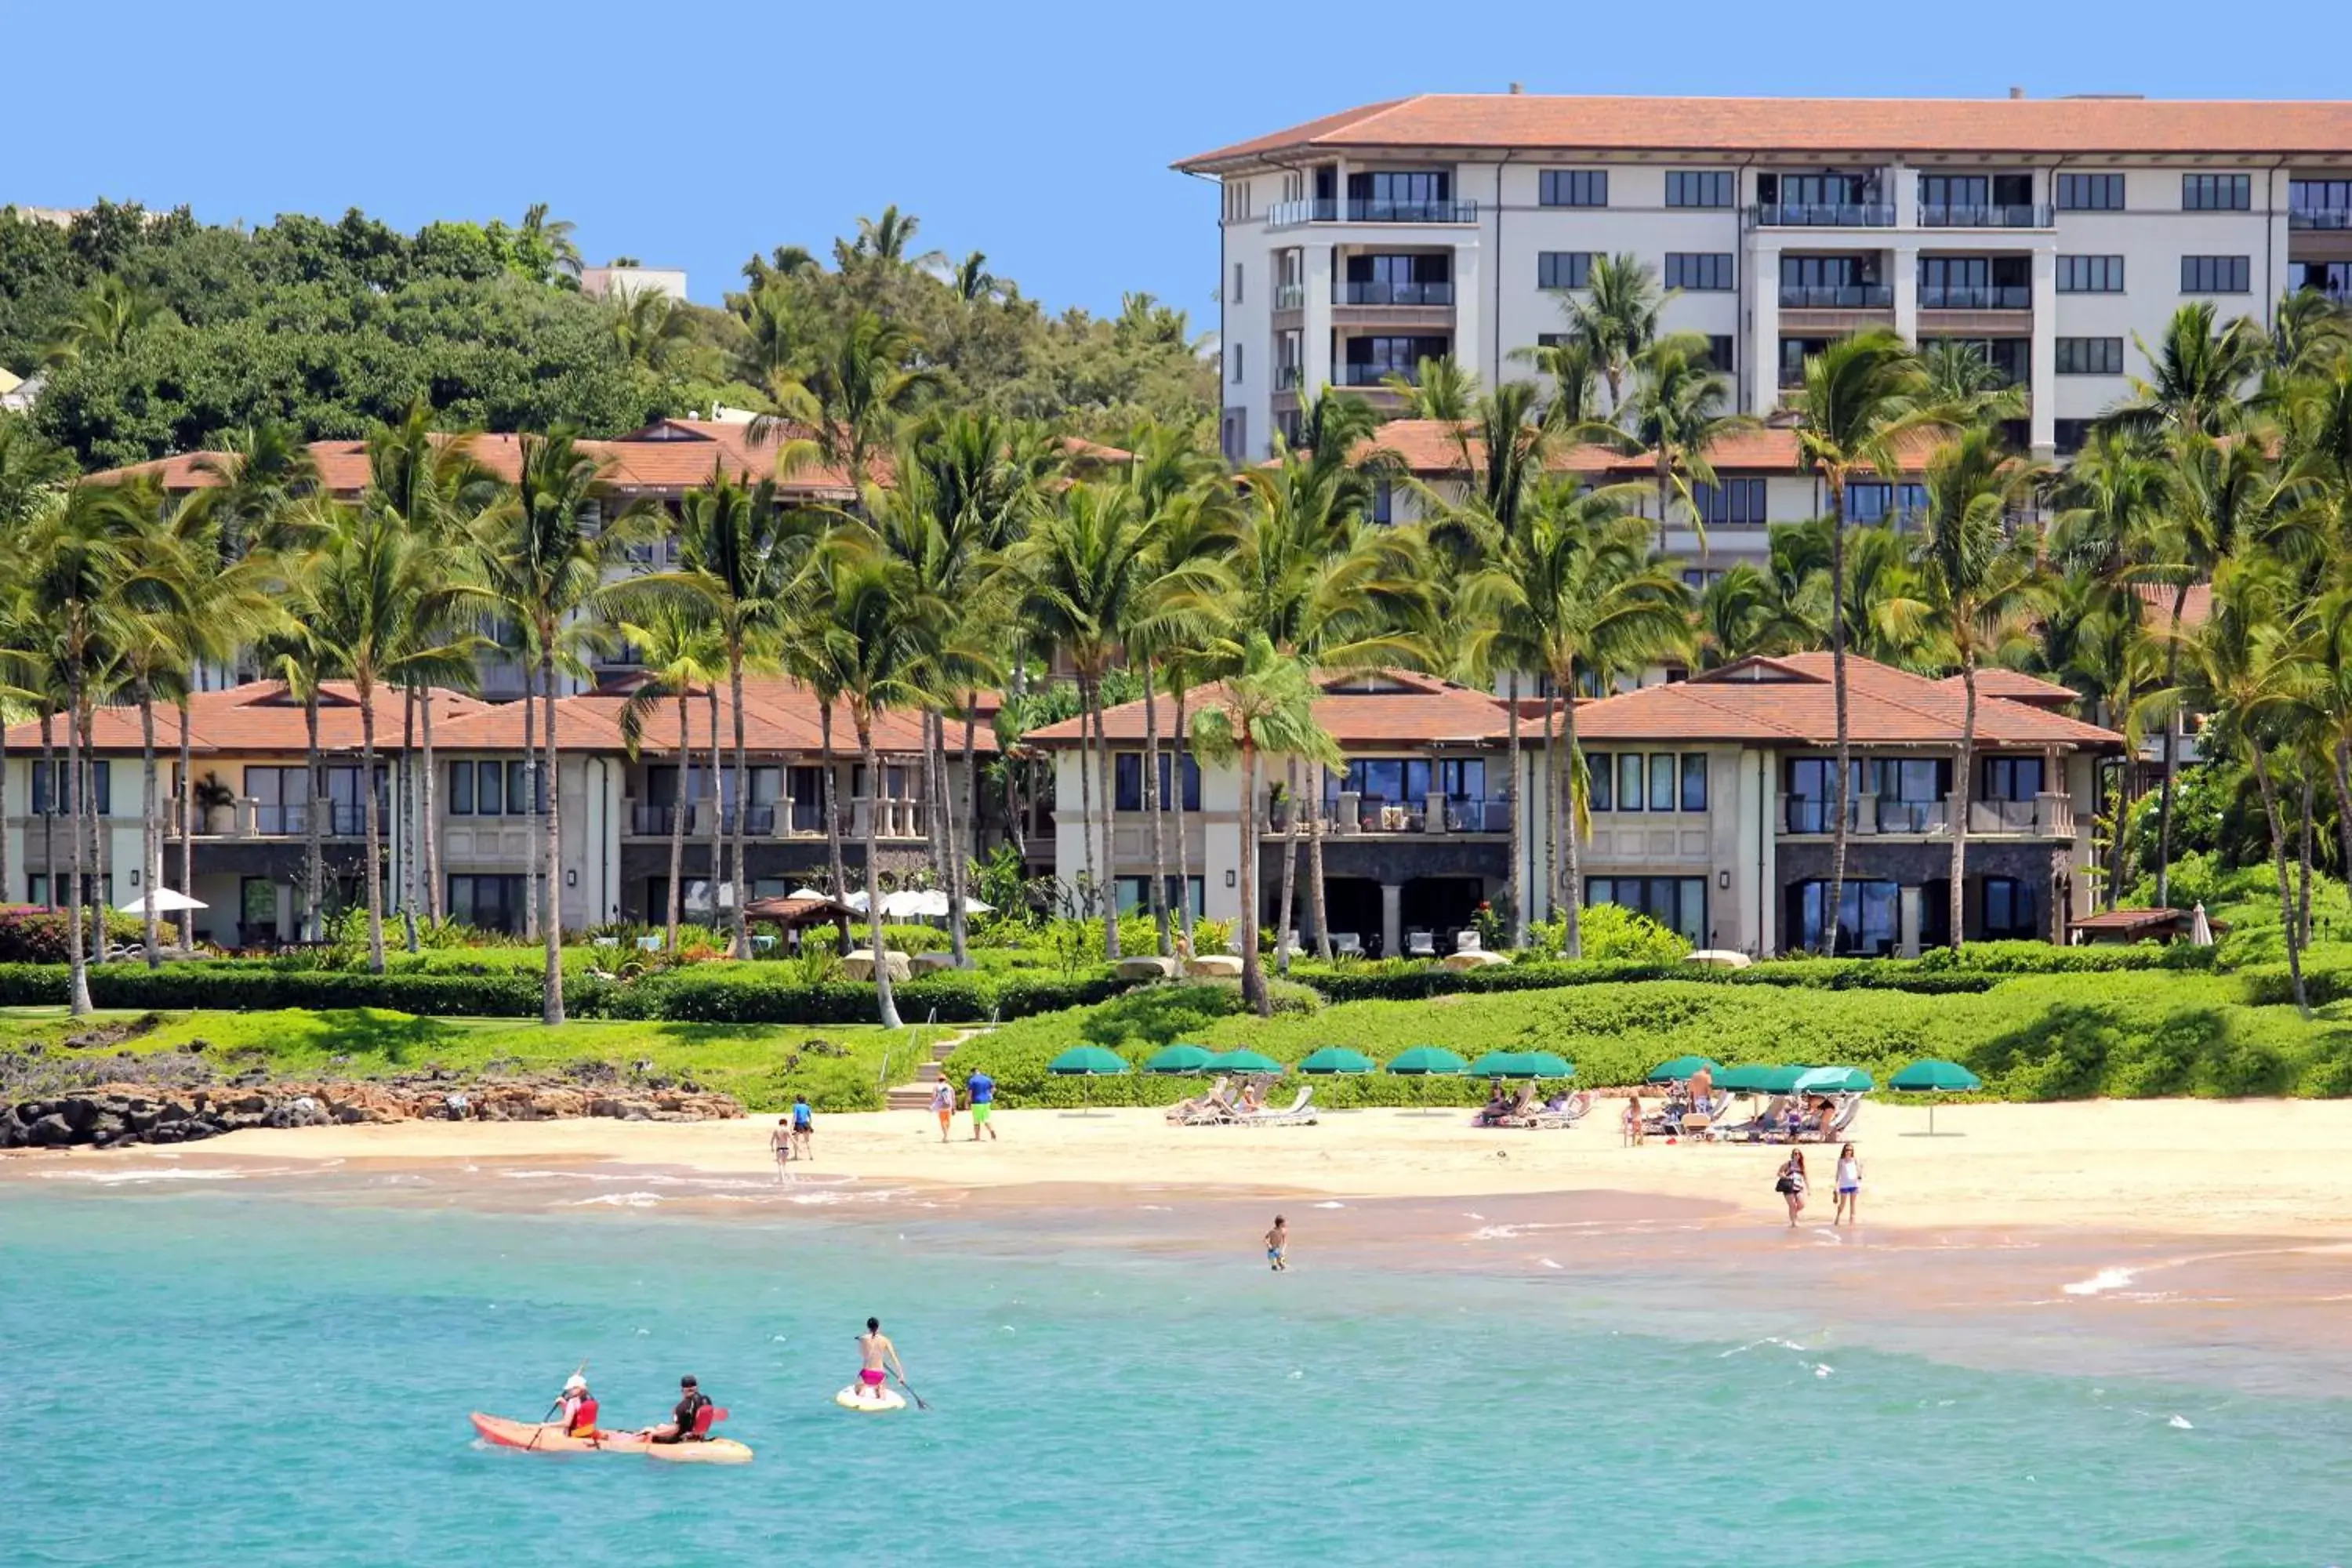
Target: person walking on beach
<point>980,1093</point>
<point>1849,1187</point>
<point>1278,1244</point>
<point>1791,1184</point>
<point>943,1105</point>
<point>874,1348</point>
<point>803,1126</point>
<point>1634,1125</point>
<point>780,1143</point>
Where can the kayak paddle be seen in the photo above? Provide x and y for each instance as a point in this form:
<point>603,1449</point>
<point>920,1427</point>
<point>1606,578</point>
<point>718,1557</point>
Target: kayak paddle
<point>552,1409</point>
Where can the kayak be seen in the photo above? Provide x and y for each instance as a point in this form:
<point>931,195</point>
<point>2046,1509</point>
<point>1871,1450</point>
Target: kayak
<point>855,1398</point>
<point>549,1437</point>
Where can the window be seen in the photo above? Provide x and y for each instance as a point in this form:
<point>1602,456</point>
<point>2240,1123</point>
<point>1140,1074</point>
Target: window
<point>1371,361</point>
<point>1563,269</point>
<point>2090,356</point>
<point>1599,776</point>
<point>1699,187</point>
<point>1911,792</point>
<point>1678,903</point>
<point>1237,282</point>
<point>1400,195</point>
<point>461,790</point>
<point>1869,502</point>
<point>1237,357</point>
<point>1409,781</point>
<point>2090,275</point>
<point>101,788</point>
<point>2319,204</point>
<point>1867,917</point>
<point>2215,274</point>
<point>2012,778</point>
<point>95,889</point>
<point>1694,780</point>
<point>1735,503</point>
<point>1383,501</point>
<point>2216,192</point>
<point>1127,782</point>
<point>1233,434</point>
<point>2009,909</point>
<point>1719,351</point>
<point>1810,789</point>
<point>2091,192</point>
<point>2011,359</point>
<point>2069,436</point>
<point>1699,580</point>
<point>488,903</point>
<point>1629,781</point>
<point>1575,188</point>
<point>2333,278</point>
<point>1698,270</point>
<point>1134,894</point>
<point>1661,781</point>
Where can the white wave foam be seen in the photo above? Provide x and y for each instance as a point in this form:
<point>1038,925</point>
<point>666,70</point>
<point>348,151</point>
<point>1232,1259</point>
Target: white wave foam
<point>2099,1284</point>
<point>1823,1369</point>
<point>2181,1424</point>
<point>118,1178</point>
<point>1546,1262</point>
<point>1755,1344</point>
<point>618,1200</point>
<point>1331,1204</point>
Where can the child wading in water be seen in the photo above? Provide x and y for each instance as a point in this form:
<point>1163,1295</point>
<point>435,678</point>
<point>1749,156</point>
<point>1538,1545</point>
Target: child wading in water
<point>1849,1187</point>
<point>1277,1241</point>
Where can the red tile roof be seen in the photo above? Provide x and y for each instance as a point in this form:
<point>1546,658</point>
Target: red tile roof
<point>1412,711</point>
<point>1816,126</point>
<point>2195,610</point>
<point>1789,700</point>
<point>1428,448</point>
<point>258,717</point>
<point>2017,687</point>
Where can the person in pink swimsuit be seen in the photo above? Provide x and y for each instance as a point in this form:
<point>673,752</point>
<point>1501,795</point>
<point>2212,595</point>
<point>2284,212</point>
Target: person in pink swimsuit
<point>874,1349</point>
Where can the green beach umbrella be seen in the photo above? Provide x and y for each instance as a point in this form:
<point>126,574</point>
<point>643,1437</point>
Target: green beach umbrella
<point>1935,1075</point>
<point>1833,1080</point>
<point>1545,1064</point>
<point>1426,1061</point>
<point>1500,1064</point>
<point>1088,1062</point>
<point>1179,1059</point>
<point>1241,1059</point>
<point>1335,1061</point>
<point>1682,1069</point>
<point>1760,1079</point>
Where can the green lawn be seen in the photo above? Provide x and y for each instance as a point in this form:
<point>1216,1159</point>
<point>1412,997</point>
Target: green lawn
<point>764,1066</point>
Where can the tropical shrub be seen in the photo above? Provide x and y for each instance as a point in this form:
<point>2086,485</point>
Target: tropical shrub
<point>1611,932</point>
<point>30,933</point>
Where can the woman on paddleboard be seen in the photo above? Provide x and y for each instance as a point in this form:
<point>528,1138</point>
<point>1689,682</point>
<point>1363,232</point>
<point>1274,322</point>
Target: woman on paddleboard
<point>874,1348</point>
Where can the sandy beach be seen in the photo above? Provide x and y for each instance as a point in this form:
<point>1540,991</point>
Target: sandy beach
<point>2184,1167</point>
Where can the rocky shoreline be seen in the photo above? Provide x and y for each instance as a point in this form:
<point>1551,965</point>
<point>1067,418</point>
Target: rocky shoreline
<point>114,1114</point>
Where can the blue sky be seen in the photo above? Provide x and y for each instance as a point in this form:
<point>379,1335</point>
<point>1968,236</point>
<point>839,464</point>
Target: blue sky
<point>692,134</point>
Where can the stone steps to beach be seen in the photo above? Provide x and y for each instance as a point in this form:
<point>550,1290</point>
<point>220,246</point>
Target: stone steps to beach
<point>917,1095</point>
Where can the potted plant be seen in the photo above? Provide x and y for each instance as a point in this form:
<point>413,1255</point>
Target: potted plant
<point>1277,807</point>
<point>218,803</point>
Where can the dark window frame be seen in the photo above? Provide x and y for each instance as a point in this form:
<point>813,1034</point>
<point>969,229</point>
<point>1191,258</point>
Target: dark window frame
<point>2090,275</point>
<point>2217,193</point>
<point>1701,271</point>
<point>1709,189</point>
<point>2089,356</point>
<point>1572,188</point>
<point>1576,264</point>
<point>2090,193</point>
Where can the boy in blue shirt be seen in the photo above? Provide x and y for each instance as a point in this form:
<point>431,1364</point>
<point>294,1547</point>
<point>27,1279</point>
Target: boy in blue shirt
<point>803,1125</point>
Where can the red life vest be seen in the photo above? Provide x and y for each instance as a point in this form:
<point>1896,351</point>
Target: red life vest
<point>584,1417</point>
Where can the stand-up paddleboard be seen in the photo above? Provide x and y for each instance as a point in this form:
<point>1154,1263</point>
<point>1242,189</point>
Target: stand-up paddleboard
<point>549,1437</point>
<point>874,1404</point>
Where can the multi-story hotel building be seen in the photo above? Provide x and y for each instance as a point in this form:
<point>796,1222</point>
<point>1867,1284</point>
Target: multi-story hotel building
<point>2051,231</point>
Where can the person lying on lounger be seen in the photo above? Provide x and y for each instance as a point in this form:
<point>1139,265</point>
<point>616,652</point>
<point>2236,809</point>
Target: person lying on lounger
<point>1214,1100</point>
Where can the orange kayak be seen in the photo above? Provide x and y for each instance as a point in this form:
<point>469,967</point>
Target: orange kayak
<point>549,1437</point>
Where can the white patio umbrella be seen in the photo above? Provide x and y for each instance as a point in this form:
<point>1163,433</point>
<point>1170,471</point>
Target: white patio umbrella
<point>907,904</point>
<point>2200,928</point>
<point>806,893</point>
<point>167,901</point>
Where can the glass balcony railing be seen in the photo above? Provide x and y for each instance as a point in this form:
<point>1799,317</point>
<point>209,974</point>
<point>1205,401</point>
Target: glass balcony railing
<point>1365,209</point>
<point>338,820</point>
<point>1378,293</point>
<point>1822,215</point>
<point>1940,215</point>
<point>1976,296</point>
<point>1837,296</point>
<point>2319,217</point>
<point>1287,377</point>
<point>1356,372</point>
<point>1290,297</point>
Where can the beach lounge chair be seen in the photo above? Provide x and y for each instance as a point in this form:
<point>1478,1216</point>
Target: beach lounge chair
<point>1346,944</point>
<point>1571,1111</point>
<point>1299,1113</point>
<point>1421,944</point>
<point>1206,1111</point>
<point>1515,1114</point>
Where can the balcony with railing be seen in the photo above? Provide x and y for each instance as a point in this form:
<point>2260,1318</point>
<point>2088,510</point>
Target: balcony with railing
<point>1976,296</point>
<point>1367,209</point>
<point>1822,215</point>
<point>1837,296</point>
<point>1361,373</point>
<point>2319,217</point>
<point>1287,377</point>
<point>1985,215</point>
<point>337,820</point>
<point>1381,292</point>
<point>2044,815</point>
<point>1434,815</point>
<point>1290,297</point>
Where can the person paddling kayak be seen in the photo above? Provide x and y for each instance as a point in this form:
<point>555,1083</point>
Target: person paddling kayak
<point>874,1348</point>
<point>578,1407</point>
<point>685,1420</point>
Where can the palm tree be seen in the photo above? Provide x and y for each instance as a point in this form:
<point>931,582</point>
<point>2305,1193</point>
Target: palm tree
<point>1264,705</point>
<point>1962,376</point>
<point>972,280</point>
<point>556,234</point>
<point>1679,413</point>
<point>1439,388</point>
<point>109,314</point>
<point>2198,375</point>
<point>845,407</point>
<point>1862,395</point>
<point>1576,595</point>
<point>1982,587</point>
<point>30,467</point>
<point>1615,316</point>
<point>543,551</point>
<point>1575,379</point>
<point>886,239</point>
<point>649,328</point>
<point>150,621</point>
<point>681,649</point>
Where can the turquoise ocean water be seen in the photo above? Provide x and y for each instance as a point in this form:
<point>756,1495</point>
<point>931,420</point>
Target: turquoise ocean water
<point>212,1375</point>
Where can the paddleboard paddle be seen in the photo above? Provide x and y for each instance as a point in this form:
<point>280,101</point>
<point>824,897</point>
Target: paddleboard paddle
<point>919,1403</point>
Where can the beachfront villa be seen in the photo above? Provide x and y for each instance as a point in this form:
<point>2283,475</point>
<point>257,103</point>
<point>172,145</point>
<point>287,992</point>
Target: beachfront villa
<point>1711,800</point>
<point>615,811</point>
<point>2046,232</point>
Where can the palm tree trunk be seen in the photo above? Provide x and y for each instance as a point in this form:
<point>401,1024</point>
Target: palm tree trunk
<point>677,812</point>
<point>2303,894</point>
<point>1960,796</point>
<point>1518,878</point>
<point>2123,816</point>
<point>428,801</point>
<point>1158,892</point>
<point>522,808</point>
<point>7,892</point>
<point>1571,929</point>
<point>76,956</point>
<point>99,934</point>
<point>49,817</point>
<point>187,823</point>
<point>2171,758</point>
<point>405,849</point>
<point>718,814</point>
<point>742,932</point>
<point>1554,795</point>
<point>1289,870</point>
<point>1109,837</point>
<point>832,816</point>
<point>2341,775</point>
<point>1184,854</point>
<point>551,985</point>
<point>1086,799</point>
<point>1834,911</point>
<point>888,1005</point>
<point>962,856</point>
<point>150,830</point>
<point>1253,993</point>
<point>1318,903</point>
<point>2278,860</point>
<point>370,867</point>
<point>314,851</point>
